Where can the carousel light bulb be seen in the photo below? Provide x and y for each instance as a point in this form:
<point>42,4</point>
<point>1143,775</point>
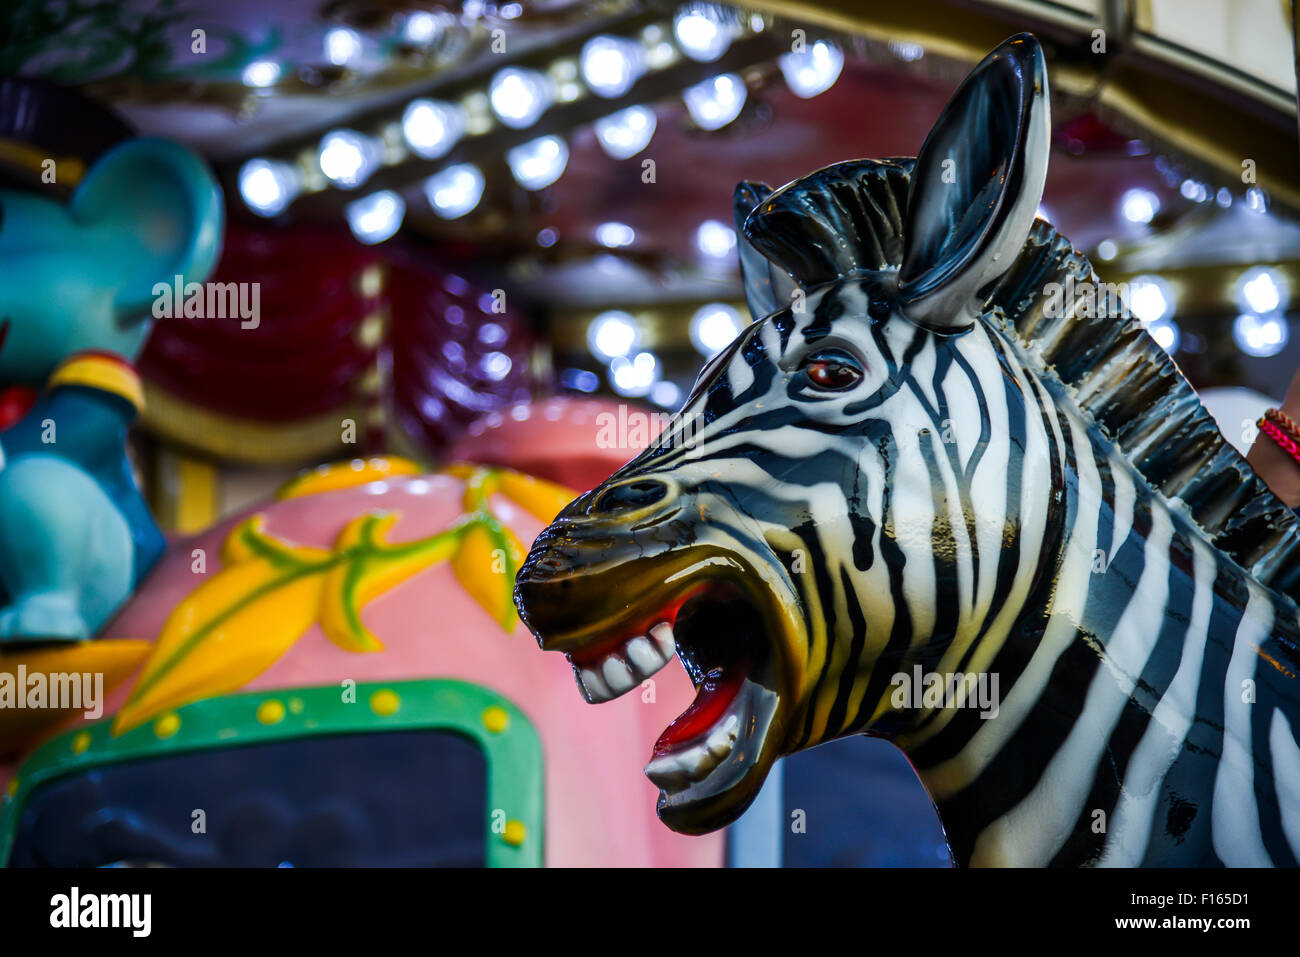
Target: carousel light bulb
<point>420,28</point>
<point>580,380</point>
<point>715,239</point>
<point>627,132</point>
<point>1261,289</point>
<point>538,162</point>
<point>376,217</point>
<point>1166,334</point>
<point>347,158</point>
<point>701,34</point>
<point>1194,190</point>
<point>1139,205</point>
<point>715,102</point>
<point>519,96</point>
<point>268,186</point>
<point>432,128</point>
<point>636,376</point>
<point>261,73</point>
<point>454,191</point>
<point>342,45</point>
<point>905,51</point>
<point>665,394</point>
<point>1150,298</point>
<point>612,334</point>
<point>713,327</point>
<point>812,70</point>
<point>610,65</point>
<point>495,365</point>
<point>615,235</point>
<point>1260,336</point>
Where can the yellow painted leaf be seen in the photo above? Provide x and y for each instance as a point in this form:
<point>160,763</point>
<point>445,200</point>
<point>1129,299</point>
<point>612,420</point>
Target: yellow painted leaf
<point>540,498</point>
<point>485,563</point>
<point>461,470</point>
<point>336,475</point>
<point>232,627</point>
<point>249,539</point>
<point>114,658</point>
<point>370,568</point>
<point>480,484</point>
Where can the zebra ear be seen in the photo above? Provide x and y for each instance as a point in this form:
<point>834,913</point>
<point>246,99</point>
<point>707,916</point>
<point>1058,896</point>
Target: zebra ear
<point>767,286</point>
<point>977,185</point>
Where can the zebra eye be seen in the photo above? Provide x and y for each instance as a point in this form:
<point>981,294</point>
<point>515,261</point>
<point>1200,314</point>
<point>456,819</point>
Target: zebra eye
<point>832,370</point>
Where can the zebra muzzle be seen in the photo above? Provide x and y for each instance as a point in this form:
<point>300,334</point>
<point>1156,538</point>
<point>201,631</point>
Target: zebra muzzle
<point>620,606</point>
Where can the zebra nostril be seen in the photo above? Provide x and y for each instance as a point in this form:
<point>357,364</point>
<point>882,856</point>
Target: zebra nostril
<point>630,495</point>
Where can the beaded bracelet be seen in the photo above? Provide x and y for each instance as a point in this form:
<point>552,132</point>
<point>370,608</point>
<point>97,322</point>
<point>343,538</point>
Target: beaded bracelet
<point>1284,422</point>
<point>1280,438</point>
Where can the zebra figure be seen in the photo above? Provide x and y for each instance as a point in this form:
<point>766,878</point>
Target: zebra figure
<point>930,498</point>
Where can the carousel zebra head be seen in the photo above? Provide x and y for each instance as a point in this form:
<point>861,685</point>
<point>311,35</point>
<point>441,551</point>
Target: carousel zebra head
<point>791,535</point>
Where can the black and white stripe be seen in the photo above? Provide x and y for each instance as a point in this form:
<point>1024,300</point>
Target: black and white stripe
<point>982,554</point>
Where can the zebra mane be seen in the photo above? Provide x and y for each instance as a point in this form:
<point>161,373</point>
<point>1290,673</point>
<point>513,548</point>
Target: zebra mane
<point>841,221</point>
<point>847,220</point>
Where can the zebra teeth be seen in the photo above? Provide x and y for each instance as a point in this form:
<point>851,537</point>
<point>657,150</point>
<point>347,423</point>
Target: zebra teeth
<point>673,770</point>
<point>619,671</point>
<point>593,686</point>
<point>643,656</point>
<point>664,640</point>
<point>618,676</point>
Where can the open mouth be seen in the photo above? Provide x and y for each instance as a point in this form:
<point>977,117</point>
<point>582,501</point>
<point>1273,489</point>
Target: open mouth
<point>718,635</point>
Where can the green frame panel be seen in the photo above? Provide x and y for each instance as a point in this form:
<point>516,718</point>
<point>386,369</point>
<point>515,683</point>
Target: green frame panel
<point>513,751</point>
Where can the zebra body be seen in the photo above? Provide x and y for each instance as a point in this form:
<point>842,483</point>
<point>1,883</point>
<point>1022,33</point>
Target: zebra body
<point>888,476</point>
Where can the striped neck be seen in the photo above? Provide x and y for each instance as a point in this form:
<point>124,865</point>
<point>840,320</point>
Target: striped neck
<point>1122,736</point>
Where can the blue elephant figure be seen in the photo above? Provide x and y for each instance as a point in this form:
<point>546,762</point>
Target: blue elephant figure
<point>77,278</point>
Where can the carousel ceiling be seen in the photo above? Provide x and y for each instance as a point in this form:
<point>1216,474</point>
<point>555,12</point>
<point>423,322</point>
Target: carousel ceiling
<point>582,155</point>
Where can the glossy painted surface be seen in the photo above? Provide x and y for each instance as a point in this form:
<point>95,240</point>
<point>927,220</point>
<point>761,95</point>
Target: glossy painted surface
<point>334,331</point>
<point>568,439</point>
<point>896,507</point>
<point>426,606</point>
<point>75,533</point>
<point>502,734</point>
<point>80,277</point>
<point>81,274</point>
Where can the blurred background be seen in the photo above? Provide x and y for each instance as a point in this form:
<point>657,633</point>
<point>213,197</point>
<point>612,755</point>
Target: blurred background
<point>455,207</point>
<point>452,206</point>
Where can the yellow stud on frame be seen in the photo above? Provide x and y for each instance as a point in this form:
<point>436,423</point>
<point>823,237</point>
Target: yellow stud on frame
<point>385,702</point>
<point>167,725</point>
<point>496,719</point>
<point>270,711</point>
<point>514,833</point>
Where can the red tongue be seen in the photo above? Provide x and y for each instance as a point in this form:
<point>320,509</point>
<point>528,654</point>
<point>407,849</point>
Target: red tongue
<point>712,699</point>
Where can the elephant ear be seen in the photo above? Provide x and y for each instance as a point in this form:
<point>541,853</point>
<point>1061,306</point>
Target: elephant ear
<point>154,211</point>
<point>768,287</point>
<point>976,186</point>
